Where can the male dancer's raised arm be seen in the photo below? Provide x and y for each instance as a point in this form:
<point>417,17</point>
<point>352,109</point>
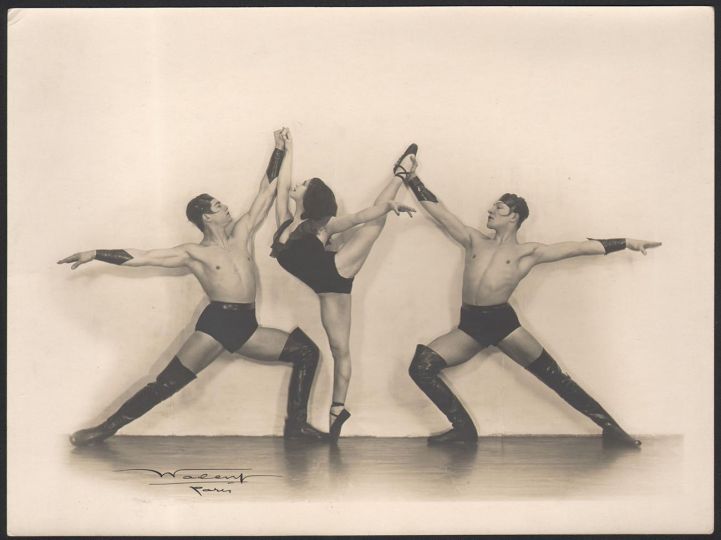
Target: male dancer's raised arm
<point>282,212</point>
<point>250,221</point>
<point>455,228</point>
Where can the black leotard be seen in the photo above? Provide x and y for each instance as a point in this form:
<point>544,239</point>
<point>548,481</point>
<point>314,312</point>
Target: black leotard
<point>305,256</point>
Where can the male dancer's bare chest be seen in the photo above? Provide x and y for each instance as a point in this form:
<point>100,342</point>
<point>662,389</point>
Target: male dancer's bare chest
<point>490,265</point>
<point>229,261</point>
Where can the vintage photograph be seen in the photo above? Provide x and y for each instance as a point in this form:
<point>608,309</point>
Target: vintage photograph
<point>323,271</point>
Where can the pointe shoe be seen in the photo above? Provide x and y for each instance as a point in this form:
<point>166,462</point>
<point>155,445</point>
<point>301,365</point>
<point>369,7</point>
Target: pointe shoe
<point>341,417</point>
<point>303,431</point>
<point>454,435</point>
<point>398,169</point>
<point>614,436</point>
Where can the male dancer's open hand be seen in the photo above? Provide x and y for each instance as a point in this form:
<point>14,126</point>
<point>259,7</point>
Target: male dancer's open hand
<point>78,258</point>
<point>640,245</point>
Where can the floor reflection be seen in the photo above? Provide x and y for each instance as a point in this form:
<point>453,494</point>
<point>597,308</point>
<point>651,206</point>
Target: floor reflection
<point>270,468</point>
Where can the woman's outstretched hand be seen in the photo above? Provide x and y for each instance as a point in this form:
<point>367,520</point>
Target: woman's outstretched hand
<point>398,208</point>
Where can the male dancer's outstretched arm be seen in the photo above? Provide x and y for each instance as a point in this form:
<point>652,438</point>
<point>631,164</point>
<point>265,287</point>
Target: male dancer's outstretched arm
<point>545,253</point>
<point>537,253</point>
<point>167,258</point>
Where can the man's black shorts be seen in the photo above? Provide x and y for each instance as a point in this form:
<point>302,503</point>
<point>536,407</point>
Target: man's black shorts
<point>229,323</point>
<point>488,324</point>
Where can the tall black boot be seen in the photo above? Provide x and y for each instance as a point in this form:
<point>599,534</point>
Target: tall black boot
<point>424,370</point>
<point>174,377</point>
<point>303,354</point>
<point>548,371</point>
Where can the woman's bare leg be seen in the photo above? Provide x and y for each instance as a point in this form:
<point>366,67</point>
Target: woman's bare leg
<point>335,314</point>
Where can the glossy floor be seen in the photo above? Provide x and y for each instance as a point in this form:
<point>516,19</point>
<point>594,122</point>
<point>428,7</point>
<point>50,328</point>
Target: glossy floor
<point>360,468</point>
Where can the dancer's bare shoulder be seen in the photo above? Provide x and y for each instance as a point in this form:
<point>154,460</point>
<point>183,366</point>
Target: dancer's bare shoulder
<point>525,249</point>
<point>477,237</point>
<point>198,252</point>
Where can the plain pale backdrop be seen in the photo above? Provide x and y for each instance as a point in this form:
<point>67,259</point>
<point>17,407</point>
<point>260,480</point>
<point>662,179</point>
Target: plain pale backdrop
<point>601,118</point>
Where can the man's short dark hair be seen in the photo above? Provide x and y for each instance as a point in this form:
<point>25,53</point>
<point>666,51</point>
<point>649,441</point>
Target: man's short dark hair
<point>517,205</point>
<point>197,207</point>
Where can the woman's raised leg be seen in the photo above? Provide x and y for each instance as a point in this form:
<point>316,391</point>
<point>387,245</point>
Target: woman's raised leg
<point>355,251</point>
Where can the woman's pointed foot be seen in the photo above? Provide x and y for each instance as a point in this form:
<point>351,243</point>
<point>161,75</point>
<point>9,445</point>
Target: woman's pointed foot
<point>337,425</point>
<point>403,166</point>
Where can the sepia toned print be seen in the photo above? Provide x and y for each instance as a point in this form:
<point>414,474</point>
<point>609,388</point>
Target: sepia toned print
<point>530,332</point>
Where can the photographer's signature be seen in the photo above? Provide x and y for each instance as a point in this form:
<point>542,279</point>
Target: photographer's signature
<point>200,479</point>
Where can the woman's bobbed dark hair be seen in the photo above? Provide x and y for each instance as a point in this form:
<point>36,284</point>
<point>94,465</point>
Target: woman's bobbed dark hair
<point>318,201</point>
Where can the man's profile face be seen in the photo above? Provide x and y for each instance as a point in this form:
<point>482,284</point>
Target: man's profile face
<point>498,214</point>
<point>218,213</point>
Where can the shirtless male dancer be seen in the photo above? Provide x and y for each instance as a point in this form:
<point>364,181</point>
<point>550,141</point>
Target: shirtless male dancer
<point>223,263</point>
<point>494,266</point>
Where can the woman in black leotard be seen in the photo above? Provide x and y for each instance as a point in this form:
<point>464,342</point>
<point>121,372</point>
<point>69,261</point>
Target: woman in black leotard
<point>300,245</point>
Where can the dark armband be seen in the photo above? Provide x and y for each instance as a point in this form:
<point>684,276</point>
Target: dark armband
<point>419,189</point>
<point>611,244</point>
<point>276,158</point>
<point>112,256</point>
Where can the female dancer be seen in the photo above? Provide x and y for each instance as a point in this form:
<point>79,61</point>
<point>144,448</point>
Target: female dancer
<point>300,247</point>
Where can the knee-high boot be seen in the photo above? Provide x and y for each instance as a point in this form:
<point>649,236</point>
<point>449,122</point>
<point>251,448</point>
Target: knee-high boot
<point>549,372</point>
<point>303,353</point>
<point>174,377</point>
<point>424,370</point>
